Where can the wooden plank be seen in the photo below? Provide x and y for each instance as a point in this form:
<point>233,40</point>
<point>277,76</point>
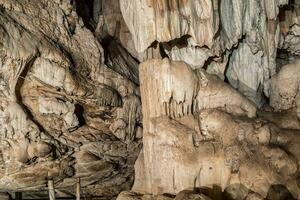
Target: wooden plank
<point>78,189</point>
<point>51,190</point>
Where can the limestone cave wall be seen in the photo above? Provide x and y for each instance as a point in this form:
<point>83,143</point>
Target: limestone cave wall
<point>150,99</point>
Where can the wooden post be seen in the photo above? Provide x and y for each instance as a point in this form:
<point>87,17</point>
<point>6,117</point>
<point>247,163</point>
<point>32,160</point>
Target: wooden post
<point>78,189</point>
<point>18,195</point>
<point>51,189</point>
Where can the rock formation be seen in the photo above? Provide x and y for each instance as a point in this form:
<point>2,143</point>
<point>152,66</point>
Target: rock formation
<point>160,99</point>
<point>64,113</point>
<point>213,136</point>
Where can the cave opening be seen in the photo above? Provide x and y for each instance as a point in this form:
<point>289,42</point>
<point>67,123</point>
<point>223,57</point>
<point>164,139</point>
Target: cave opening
<point>85,9</point>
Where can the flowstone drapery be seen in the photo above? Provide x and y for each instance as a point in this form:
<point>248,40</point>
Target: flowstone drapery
<point>64,113</point>
<point>201,96</point>
<point>208,136</point>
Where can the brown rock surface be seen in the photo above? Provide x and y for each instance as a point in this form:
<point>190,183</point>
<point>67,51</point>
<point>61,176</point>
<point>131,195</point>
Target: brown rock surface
<point>210,87</point>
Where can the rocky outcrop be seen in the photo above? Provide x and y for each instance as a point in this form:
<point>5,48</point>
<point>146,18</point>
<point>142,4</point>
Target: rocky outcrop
<point>192,140</point>
<point>210,28</point>
<point>211,88</point>
<point>64,113</point>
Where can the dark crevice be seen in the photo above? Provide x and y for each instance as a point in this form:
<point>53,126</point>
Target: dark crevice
<point>2,8</point>
<point>105,41</point>
<point>219,31</point>
<point>208,62</point>
<point>119,59</point>
<point>282,10</point>
<point>235,47</point>
<point>226,69</point>
<point>79,111</point>
<point>162,52</point>
<point>279,192</point>
<point>85,9</point>
<point>178,42</point>
<point>283,57</point>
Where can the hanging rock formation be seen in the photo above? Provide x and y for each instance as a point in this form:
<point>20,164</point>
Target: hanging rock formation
<point>150,99</point>
<point>198,130</point>
<point>64,113</point>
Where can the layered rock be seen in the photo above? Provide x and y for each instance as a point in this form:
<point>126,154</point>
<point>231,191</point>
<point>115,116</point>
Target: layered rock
<point>208,135</point>
<point>64,114</point>
<point>162,21</point>
<point>220,116</point>
<point>210,28</point>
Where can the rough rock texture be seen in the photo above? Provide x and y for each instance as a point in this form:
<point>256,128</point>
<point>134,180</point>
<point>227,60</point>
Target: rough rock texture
<point>183,195</point>
<point>289,23</point>
<point>283,97</point>
<point>204,136</point>
<point>64,113</point>
<point>166,20</point>
<point>213,28</point>
<point>211,88</point>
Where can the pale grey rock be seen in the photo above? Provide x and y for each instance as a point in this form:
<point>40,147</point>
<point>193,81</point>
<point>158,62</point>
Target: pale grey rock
<point>245,73</point>
<point>261,53</point>
<point>218,66</point>
<point>97,10</point>
<point>225,24</point>
<point>188,52</point>
<point>112,24</point>
<point>162,21</point>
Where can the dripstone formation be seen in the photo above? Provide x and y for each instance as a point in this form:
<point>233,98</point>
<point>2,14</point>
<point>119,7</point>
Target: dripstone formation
<point>65,114</point>
<point>150,99</point>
